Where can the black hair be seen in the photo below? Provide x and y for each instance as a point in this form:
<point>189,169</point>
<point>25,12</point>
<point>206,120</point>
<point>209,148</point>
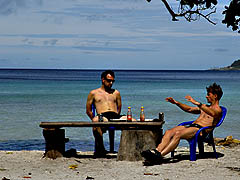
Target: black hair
<point>105,73</point>
<point>215,89</point>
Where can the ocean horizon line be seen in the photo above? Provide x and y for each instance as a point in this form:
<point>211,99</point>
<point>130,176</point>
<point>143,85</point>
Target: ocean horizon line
<point>113,69</point>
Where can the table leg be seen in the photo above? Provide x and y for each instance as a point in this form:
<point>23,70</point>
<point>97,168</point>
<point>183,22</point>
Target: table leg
<point>133,142</point>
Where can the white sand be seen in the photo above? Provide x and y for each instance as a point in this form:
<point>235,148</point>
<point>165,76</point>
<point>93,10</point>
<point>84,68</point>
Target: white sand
<point>17,165</point>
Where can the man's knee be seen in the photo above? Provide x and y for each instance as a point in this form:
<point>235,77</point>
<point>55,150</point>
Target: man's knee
<point>167,132</point>
<point>97,130</point>
<point>170,132</point>
<point>95,119</point>
<point>177,135</point>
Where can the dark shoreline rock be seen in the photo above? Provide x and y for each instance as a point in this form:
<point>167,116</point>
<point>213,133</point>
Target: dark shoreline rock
<point>235,66</point>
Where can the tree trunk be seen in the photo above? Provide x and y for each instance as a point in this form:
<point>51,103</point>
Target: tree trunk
<point>133,142</point>
<point>55,142</point>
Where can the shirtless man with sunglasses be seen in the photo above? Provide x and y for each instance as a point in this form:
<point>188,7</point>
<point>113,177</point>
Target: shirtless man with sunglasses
<point>108,106</point>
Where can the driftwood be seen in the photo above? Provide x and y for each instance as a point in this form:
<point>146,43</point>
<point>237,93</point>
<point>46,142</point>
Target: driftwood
<point>228,141</point>
<point>133,142</point>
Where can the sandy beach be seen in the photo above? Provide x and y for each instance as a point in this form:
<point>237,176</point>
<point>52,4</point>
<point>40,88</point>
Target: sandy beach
<point>17,165</point>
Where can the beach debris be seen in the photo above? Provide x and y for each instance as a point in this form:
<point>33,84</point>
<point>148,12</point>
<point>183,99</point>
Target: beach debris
<point>2,169</point>
<point>4,178</point>
<point>89,177</point>
<point>73,166</point>
<point>27,177</point>
<point>150,174</point>
<point>228,141</point>
<point>236,169</point>
<point>78,161</point>
<point>9,152</point>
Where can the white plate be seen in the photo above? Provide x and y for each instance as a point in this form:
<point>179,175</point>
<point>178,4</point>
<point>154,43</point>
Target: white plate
<point>124,120</point>
<point>146,119</point>
<point>118,120</point>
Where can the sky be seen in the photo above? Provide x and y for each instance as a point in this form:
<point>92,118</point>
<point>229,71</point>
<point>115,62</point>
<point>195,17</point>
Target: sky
<point>111,34</point>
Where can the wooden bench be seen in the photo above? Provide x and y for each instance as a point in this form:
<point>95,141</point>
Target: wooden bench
<point>55,136</point>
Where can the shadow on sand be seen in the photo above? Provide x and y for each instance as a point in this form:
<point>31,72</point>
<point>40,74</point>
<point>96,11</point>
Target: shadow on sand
<point>182,157</point>
<point>73,153</point>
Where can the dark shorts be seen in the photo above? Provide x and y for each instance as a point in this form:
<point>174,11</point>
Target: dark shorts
<point>111,115</point>
<point>203,133</point>
<point>193,125</point>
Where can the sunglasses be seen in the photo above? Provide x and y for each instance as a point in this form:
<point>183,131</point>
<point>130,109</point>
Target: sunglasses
<point>109,80</point>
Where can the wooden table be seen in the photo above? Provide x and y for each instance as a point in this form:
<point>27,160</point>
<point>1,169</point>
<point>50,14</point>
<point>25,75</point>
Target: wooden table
<point>117,125</point>
<point>55,136</point>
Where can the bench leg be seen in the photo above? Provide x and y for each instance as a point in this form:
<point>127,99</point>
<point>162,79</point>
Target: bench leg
<point>54,143</point>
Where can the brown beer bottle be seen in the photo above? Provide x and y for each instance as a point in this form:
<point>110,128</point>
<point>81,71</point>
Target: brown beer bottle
<point>129,114</point>
<point>142,114</point>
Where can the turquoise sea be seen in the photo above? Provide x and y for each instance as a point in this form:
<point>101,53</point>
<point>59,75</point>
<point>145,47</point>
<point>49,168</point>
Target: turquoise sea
<point>28,97</point>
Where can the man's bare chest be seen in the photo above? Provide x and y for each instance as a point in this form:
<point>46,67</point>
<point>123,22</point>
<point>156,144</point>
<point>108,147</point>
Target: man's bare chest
<point>205,118</point>
<point>105,97</point>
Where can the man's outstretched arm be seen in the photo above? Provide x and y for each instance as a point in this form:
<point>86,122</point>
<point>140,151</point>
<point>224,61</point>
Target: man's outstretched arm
<point>210,111</point>
<point>184,107</point>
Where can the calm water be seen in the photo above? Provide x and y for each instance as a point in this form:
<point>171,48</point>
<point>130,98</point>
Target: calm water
<point>28,97</point>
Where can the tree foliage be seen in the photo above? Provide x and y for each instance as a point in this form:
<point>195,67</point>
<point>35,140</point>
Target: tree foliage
<point>193,10</point>
<point>232,15</point>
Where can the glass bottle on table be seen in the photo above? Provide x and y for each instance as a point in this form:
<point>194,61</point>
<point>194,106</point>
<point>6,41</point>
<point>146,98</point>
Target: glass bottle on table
<point>142,114</point>
<point>129,114</point>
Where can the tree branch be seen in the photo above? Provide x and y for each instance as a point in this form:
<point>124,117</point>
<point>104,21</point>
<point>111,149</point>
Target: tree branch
<point>188,12</point>
<point>198,13</point>
<point>170,10</point>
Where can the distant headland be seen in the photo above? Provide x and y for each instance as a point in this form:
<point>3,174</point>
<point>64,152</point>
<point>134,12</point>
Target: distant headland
<point>234,66</point>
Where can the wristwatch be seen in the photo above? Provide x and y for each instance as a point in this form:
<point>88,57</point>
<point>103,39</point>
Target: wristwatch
<point>200,104</point>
